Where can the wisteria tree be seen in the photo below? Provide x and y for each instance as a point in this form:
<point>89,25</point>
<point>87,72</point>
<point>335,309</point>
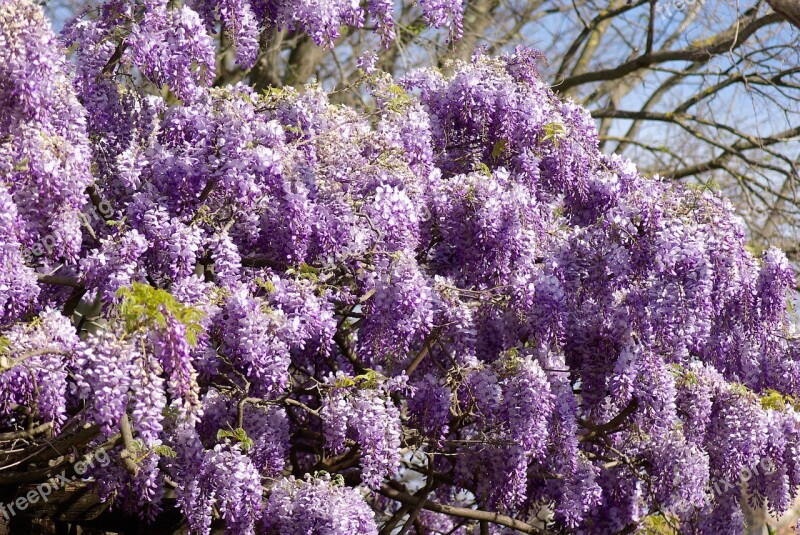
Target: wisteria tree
<point>444,311</point>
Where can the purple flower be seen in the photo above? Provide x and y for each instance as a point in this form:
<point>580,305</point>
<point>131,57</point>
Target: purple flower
<point>317,505</point>
<point>366,62</point>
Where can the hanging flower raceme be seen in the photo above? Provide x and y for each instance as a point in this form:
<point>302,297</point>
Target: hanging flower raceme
<point>361,409</point>
<point>44,148</point>
<point>317,505</point>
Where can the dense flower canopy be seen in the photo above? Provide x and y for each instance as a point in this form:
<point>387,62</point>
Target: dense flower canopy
<point>282,315</point>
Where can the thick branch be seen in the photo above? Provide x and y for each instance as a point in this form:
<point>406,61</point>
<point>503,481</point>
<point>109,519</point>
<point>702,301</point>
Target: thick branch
<point>128,453</point>
<point>303,61</point>
<point>58,280</point>
<point>16,435</point>
<point>724,42</point>
<point>611,425</point>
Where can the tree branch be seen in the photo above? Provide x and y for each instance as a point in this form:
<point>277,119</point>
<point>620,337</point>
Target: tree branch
<point>724,42</point>
<point>460,512</point>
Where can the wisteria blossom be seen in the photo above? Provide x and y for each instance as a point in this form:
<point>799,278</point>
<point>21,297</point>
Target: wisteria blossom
<point>448,312</point>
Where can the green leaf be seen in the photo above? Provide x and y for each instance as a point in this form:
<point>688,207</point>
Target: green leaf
<point>224,433</point>
<point>275,92</point>
<point>414,29</point>
<point>367,380</point>
<point>22,165</point>
<point>754,249</point>
<point>344,382</point>
<point>554,132</point>
<point>247,98</point>
<point>498,148</point>
<point>143,306</point>
<point>166,451</point>
<point>238,434</point>
<point>265,285</point>
<point>774,400</point>
<point>683,376</point>
<point>370,379</point>
<point>398,100</point>
<point>309,272</point>
<point>397,90</point>
<point>659,523</point>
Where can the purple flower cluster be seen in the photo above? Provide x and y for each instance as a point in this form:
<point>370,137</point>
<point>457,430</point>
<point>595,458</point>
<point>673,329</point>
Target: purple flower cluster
<point>252,338</point>
<point>367,415</point>
<point>113,265</point>
<point>105,369</point>
<point>316,505</point>
<point>34,372</point>
<point>446,13</point>
<point>167,43</point>
<point>18,288</point>
<point>227,260</point>
<point>399,315</point>
<point>223,479</point>
<point>44,148</point>
<point>511,401</point>
<point>267,426</point>
<point>175,356</point>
